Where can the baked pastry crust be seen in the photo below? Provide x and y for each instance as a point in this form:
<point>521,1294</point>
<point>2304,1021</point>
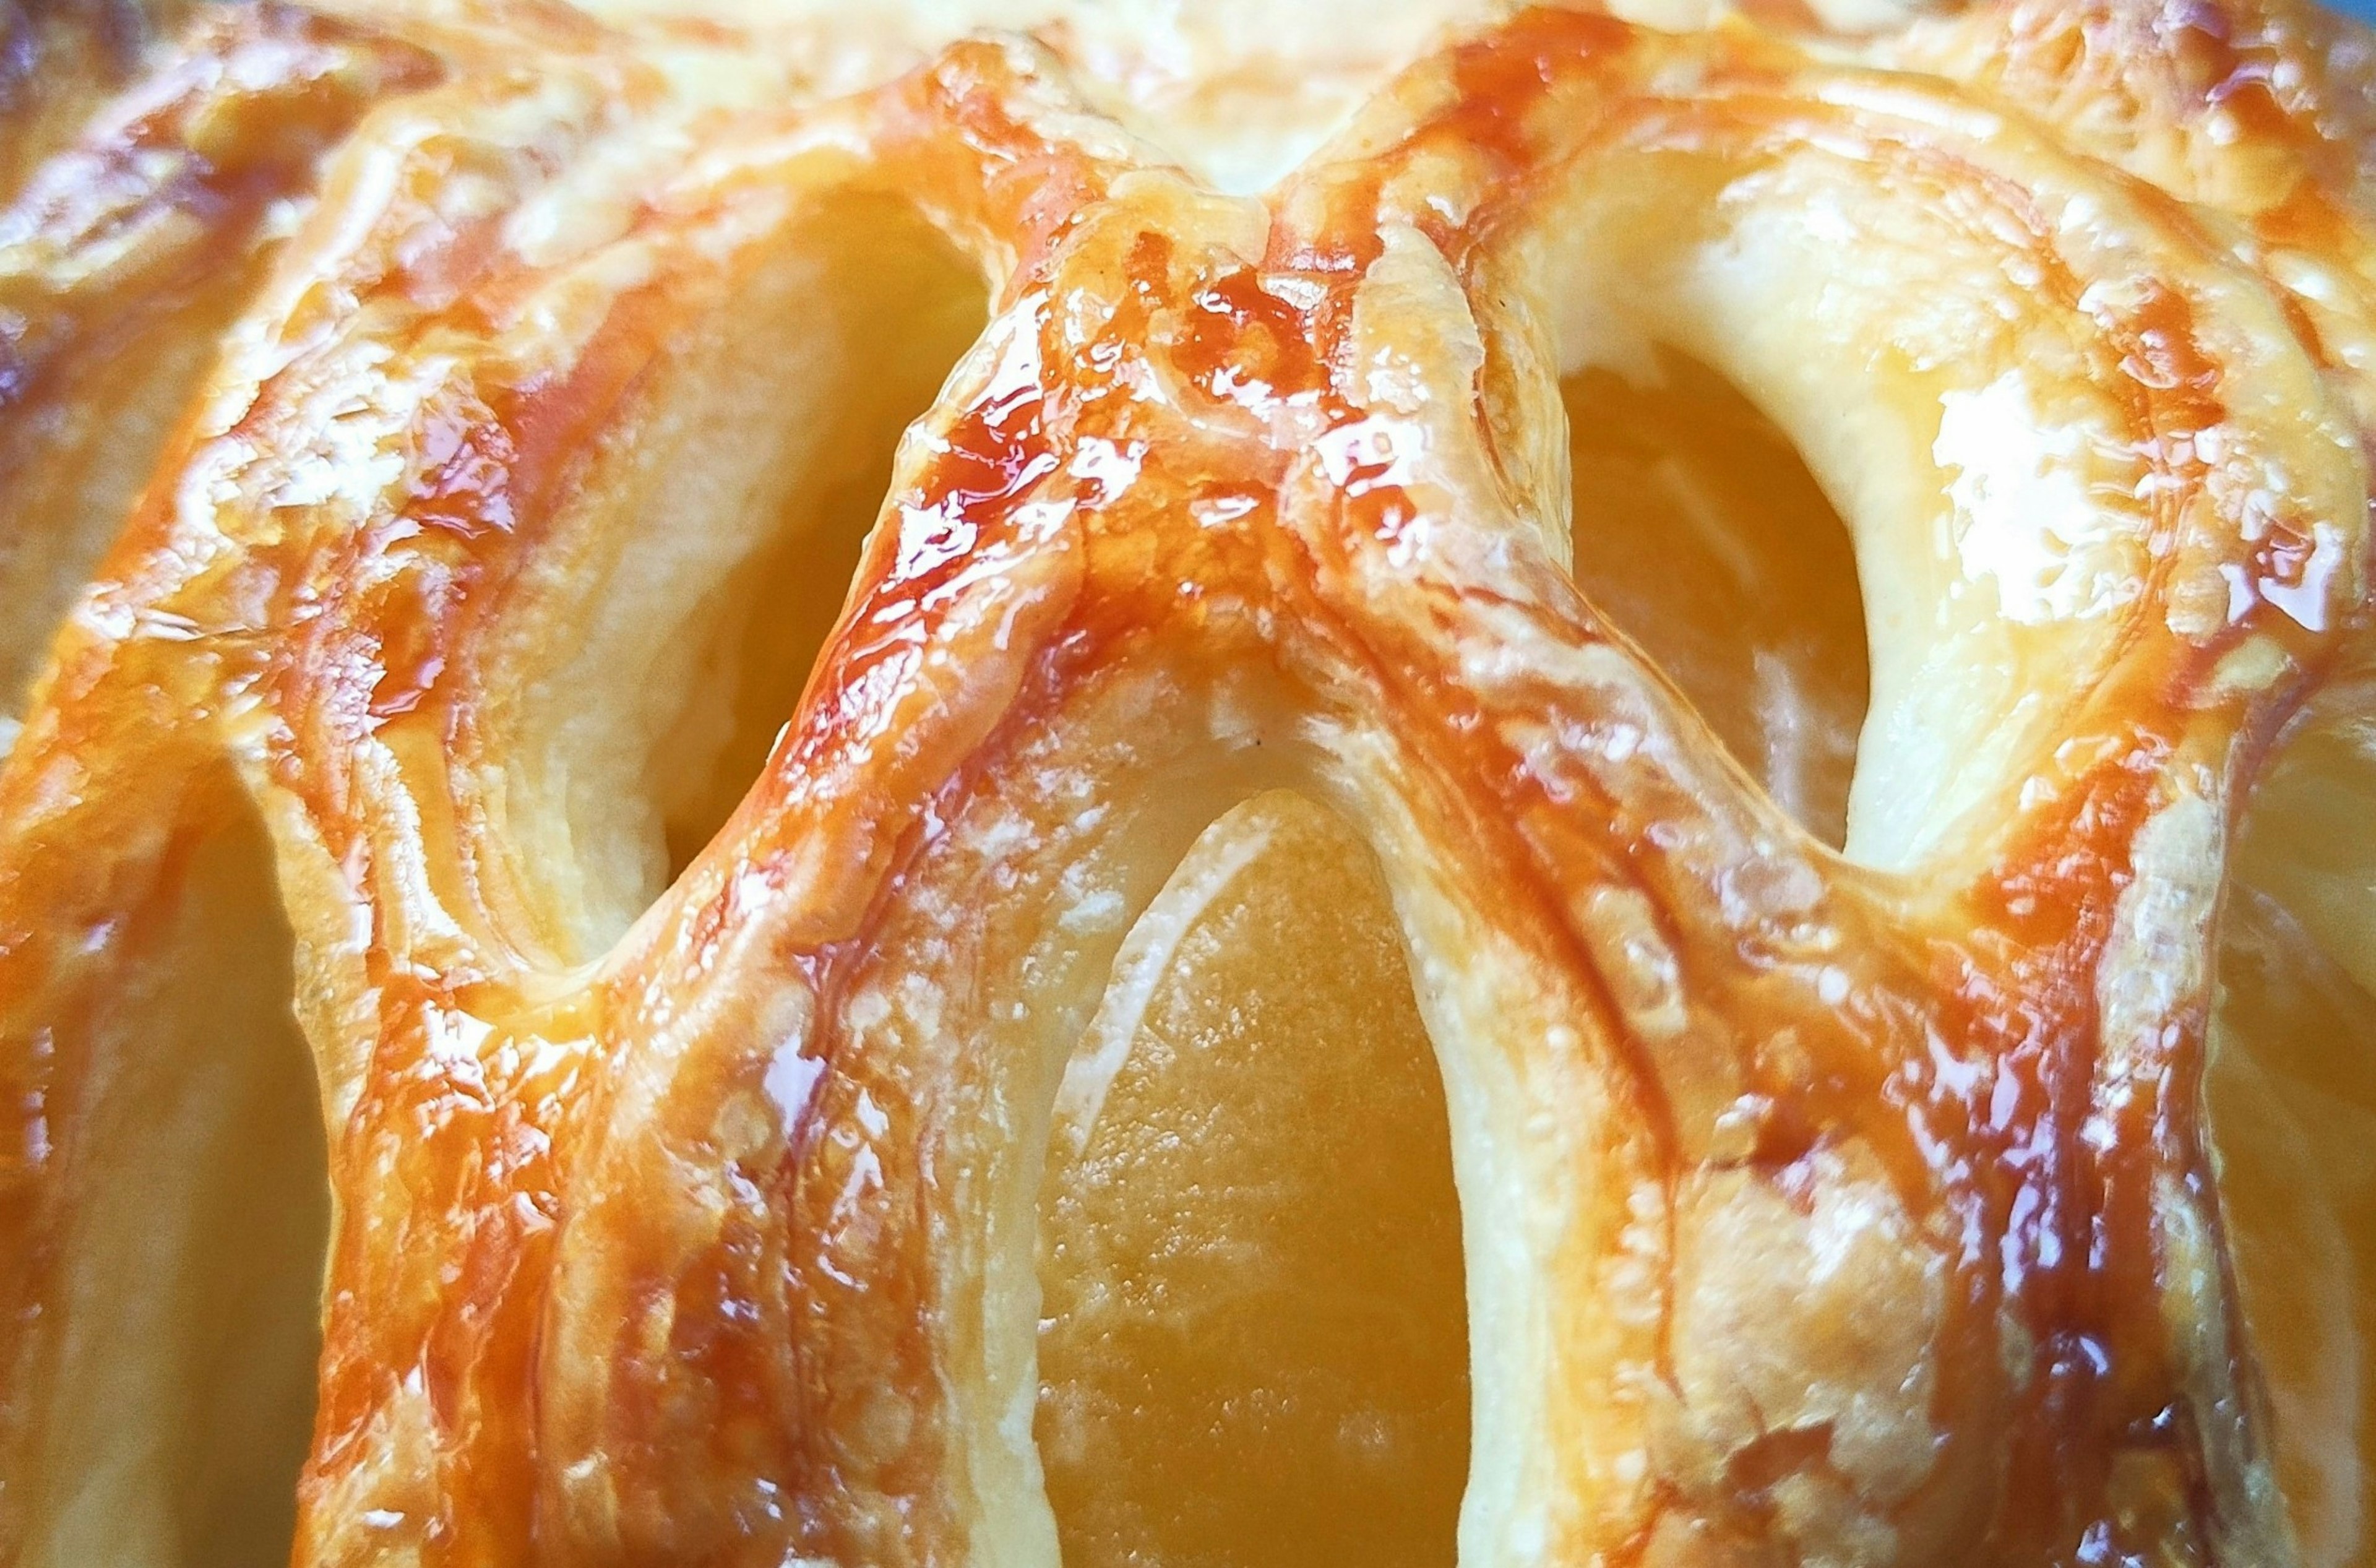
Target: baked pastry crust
<point>1818,1205</point>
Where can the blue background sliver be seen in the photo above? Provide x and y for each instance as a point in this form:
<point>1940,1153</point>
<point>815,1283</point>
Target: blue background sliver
<point>2364,10</point>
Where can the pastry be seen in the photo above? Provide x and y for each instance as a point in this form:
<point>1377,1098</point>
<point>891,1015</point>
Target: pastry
<point>1522,786</point>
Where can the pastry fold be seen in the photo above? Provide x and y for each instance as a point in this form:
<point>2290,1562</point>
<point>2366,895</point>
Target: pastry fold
<point>480,412</point>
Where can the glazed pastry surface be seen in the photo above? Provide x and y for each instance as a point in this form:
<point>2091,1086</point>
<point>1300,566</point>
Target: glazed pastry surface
<point>1525,786</point>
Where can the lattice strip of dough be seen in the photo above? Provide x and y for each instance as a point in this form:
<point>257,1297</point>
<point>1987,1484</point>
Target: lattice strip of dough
<point>1832,1209</point>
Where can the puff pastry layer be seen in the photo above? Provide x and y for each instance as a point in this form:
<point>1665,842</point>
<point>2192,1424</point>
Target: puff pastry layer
<point>1358,908</point>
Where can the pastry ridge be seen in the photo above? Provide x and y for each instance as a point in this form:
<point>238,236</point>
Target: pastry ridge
<point>1822,1204</point>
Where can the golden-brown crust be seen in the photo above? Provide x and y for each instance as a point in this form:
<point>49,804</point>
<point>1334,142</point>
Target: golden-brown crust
<point>1820,1206</point>
<point>129,252</point>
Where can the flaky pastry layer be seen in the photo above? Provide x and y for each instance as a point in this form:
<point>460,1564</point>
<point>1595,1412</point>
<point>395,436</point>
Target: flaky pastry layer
<point>484,388</point>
